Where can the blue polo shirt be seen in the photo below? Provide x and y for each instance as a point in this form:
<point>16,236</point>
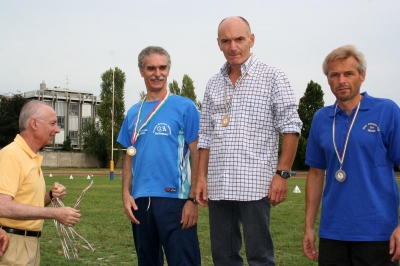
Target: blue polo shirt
<point>365,206</point>
<point>161,165</point>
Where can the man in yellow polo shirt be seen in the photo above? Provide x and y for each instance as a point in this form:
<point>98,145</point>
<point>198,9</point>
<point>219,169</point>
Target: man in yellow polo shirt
<point>23,195</point>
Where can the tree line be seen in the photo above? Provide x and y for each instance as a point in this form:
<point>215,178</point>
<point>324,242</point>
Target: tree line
<point>95,136</point>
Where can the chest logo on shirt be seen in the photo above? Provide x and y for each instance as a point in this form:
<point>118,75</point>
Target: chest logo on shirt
<point>143,131</point>
<point>371,127</point>
<point>162,129</point>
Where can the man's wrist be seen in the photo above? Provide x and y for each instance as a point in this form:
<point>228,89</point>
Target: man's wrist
<point>193,200</point>
<point>283,173</point>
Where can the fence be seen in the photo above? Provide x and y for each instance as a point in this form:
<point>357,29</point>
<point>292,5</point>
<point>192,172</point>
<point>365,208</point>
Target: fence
<point>70,159</point>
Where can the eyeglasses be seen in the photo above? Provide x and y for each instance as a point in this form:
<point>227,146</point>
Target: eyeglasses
<point>51,123</point>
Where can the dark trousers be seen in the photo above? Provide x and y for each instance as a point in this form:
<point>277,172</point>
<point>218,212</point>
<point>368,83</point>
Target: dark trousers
<point>354,253</point>
<point>160,229</point>
<point>226,238</point>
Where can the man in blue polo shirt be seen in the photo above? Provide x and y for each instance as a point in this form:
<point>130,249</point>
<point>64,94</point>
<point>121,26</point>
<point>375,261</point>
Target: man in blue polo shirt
<point>357,142</point>
<point>158,187</point>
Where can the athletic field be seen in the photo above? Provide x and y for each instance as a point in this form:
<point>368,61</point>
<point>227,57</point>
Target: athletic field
<point>107,229</point>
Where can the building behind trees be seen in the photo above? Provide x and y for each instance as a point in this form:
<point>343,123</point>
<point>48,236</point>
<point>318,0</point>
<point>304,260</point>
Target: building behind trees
<point>73,108</point>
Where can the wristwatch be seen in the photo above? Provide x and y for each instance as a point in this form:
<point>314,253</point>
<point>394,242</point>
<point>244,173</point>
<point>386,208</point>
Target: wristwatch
<point>283,173</point>
<point>192,200</point>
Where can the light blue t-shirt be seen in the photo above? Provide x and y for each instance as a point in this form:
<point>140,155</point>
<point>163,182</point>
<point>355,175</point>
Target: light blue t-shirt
<point>161,165</point>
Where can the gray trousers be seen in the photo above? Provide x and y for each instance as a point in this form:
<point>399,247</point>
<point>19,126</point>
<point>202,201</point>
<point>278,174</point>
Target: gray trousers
<point>226,217</point>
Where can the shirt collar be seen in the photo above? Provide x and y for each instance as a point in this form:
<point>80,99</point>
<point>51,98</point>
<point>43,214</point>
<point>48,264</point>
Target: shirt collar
<point>249,62</point>
<point>22,143</point>
<point>366,104</point>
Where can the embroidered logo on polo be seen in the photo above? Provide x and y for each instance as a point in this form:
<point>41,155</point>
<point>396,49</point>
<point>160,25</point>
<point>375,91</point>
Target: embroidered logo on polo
<point>162,129</point>
<point>143,131</point>
<point>170,189</point>
<point>371,127</point>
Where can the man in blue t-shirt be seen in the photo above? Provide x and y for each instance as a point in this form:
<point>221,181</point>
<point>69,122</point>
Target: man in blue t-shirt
<point>357,142</point>
<point>158,187</point>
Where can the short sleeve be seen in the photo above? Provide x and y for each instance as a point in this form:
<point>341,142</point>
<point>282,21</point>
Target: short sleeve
<point>9,175</point>
<point>125,136</point>
<point>191,122</point>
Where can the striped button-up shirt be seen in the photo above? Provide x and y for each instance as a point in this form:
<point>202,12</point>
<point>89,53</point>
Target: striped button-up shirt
<point>244,154</point>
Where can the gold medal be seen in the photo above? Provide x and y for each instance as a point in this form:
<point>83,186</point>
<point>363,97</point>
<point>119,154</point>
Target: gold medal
<point>225,120</point>
<point>340,175</point>
<point>131,151</point>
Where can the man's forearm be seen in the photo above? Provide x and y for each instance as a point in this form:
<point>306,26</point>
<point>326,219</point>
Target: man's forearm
<point>127,175</point>
<point>17,211</point>
<point>195,168</point>
<point>314,189</point>
<point>289,149</point>
<point>204,155</point>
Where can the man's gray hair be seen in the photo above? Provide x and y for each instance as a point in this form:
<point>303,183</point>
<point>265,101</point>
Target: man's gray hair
<point>153,50</point>
<point>27,111</point>
<point>345,52</point>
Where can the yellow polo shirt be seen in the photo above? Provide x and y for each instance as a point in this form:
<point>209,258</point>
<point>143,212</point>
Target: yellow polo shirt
<point>22,178</point>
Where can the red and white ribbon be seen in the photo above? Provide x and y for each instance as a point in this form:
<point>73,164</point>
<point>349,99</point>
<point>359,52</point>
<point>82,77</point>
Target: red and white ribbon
<point>67,233</point>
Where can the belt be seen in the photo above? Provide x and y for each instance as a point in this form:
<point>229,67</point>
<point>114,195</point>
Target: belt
<point>21,232</point>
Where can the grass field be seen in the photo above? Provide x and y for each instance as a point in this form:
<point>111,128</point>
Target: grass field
<point>106,227</point>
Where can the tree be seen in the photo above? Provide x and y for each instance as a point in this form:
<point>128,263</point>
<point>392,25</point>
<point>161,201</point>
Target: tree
<point>10,107</point>
<point>103,130</point>
<point>187,89</point>
<point>67,144</point>
<point>94,141</point>
<point>310,103</point>
<point>299,160</point>
<point>142,95</point>
<point>174,88</point>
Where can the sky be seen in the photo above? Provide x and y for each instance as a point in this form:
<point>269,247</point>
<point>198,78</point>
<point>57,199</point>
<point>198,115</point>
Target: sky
<point>71,43</point>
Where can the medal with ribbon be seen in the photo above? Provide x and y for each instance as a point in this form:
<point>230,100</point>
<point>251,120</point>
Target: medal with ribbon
<point>131,151</point>
<point>226,119</point>
<point>340,175</point>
